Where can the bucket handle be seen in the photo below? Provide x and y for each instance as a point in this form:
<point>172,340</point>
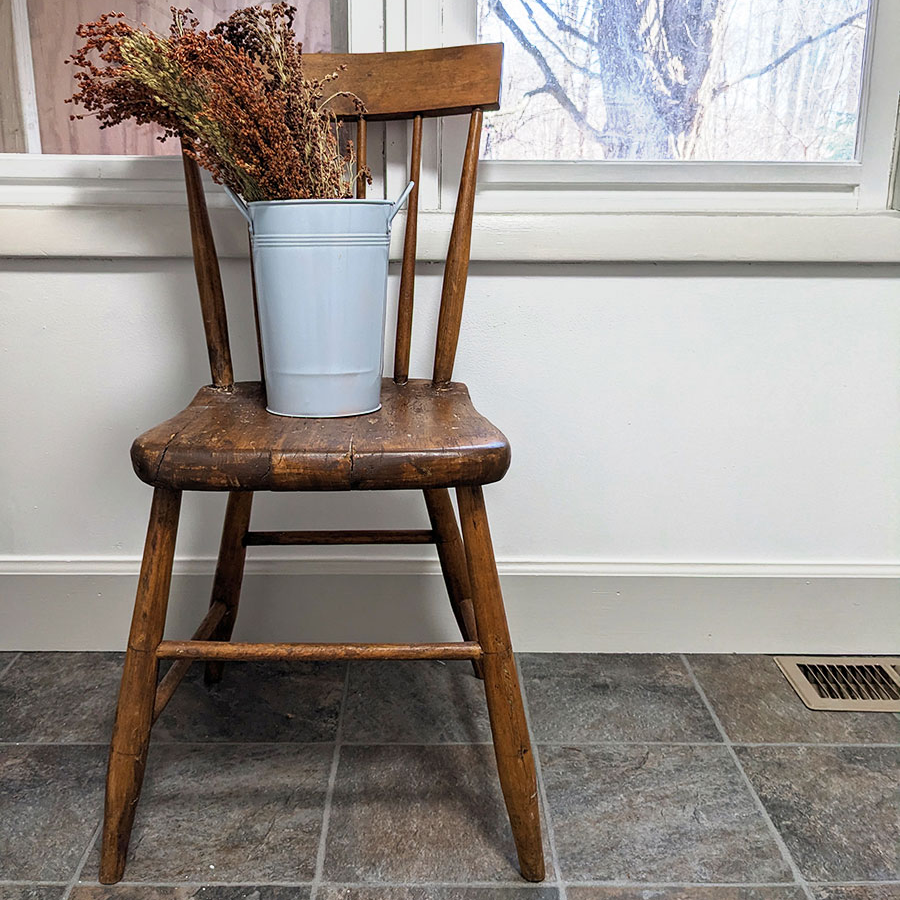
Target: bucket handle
<point>242,207</point>
<point>400,201</point>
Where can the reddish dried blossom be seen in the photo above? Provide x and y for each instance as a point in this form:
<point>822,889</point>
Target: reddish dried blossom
<point>236,94</point>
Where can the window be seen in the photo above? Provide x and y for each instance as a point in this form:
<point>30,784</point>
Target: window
<point>783,149</point>
<point>722,106</point>
<point>46,160</point>
<point>37,35</point>
<point>720,80</point>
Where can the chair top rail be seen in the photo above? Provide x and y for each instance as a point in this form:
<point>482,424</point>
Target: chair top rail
<point>441,82</point>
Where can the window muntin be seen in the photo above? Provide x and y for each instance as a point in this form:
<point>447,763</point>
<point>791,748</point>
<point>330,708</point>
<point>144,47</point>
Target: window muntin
<point>700,80</point>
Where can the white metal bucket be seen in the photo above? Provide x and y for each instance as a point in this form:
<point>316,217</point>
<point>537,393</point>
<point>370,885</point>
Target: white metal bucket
<point>321,283</point>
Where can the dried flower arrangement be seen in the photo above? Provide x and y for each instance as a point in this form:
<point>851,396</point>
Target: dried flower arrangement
<point>236,95</point>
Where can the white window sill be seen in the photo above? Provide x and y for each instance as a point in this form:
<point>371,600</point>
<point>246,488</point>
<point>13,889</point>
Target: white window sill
<point>161,231</point>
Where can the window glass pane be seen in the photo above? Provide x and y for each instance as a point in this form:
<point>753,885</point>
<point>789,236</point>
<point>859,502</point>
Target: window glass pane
<point>715,80</point>
<point>52,25</point>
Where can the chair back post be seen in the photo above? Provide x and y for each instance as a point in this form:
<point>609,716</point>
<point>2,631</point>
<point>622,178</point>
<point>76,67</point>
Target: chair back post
<point>457,267</point>
<point>209,278</point>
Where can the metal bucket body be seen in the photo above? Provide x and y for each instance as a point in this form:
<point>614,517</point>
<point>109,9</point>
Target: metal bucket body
<point>321,268</point>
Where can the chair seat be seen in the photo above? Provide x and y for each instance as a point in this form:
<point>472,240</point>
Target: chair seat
<point>422,437</point>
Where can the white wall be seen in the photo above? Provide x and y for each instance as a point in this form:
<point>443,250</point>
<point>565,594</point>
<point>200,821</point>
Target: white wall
<point>671,426</point>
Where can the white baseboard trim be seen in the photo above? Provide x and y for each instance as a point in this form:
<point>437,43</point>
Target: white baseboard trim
<point>361,564</point>
<point>84,603</point>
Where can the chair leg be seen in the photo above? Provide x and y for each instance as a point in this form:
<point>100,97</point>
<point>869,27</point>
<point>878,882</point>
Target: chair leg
<point>453,564</point>
<point>512,744</point>
<point>134,716</point>
<point>229,573</point>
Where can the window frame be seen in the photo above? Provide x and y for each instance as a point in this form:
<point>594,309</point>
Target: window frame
<point>133,207</point>
<point>48,180</point>
<point>684,186</point>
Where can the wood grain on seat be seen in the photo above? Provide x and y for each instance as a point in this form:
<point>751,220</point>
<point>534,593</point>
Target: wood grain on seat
<point>422,437</point>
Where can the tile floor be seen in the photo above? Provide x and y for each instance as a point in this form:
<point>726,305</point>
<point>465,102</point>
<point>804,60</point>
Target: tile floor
<point>662,778</point>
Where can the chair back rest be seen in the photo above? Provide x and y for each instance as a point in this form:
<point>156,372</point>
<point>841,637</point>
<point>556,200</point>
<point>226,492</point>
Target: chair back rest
<point>413,84</point>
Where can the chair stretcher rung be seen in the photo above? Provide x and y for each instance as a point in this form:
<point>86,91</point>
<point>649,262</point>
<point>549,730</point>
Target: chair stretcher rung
<point>269,538</point>
<point>261,652</point>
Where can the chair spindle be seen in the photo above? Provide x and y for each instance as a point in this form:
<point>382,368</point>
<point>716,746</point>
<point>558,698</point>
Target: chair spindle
<point>457,268</point>
<point>361,158</point>
<point>408,270</point>
<point>259,350</point>
<point>209,279</point>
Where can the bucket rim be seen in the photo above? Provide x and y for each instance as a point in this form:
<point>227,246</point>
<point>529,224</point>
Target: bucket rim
<point>328,200</point>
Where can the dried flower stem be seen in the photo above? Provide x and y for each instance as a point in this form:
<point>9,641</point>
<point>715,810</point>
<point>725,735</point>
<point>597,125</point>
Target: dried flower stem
<point>236,94</point>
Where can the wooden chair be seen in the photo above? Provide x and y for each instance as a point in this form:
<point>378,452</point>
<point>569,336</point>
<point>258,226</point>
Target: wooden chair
<point>426,437</point>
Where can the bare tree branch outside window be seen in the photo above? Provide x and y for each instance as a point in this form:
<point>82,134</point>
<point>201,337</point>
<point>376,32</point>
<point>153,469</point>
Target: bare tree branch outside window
<point>719,80</point>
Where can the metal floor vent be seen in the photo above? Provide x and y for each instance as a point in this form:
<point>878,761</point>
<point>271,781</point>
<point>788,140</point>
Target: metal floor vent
<point>859,683</point>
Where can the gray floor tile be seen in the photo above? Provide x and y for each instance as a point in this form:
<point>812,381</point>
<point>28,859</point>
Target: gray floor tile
<point>213,813</point>
<point>71,697</point>
<point>50,801</point>
<point>836,807</point>
<point>60,697</point>
<point>656,814</point>
<point>406,814</point>
<point>736,892</point>
<point>415,702</point>
<point>856,891</point>
<point>277,701</point>
<point>582,697</point>
<point>336,892</point>
<point>755,703</point>
<point>188,892</point>
<point>418,815</point>
<point>31,891</point>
